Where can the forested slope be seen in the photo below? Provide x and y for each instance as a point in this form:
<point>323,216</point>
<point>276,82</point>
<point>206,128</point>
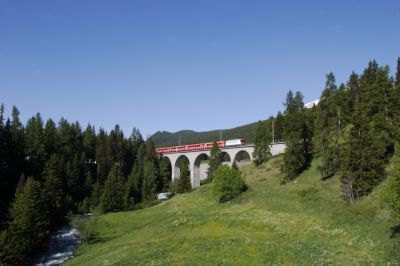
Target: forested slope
<point>164,138</point>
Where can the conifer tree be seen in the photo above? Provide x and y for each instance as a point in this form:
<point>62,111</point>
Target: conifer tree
<point>184,184</point>
<point>17,160</point>
<point>12,158</point>
<point>67,139</point>
<point>397,79</point>
<point>2,114</point>
<point>380,104</point>
<point>35,149</point>
<point>117,146</point>
<point>215,160</point>
<point>133,189</point>
<point>89,142</point>
<point>153,157</point>
<point>328,130</point>
<point>164,175</point>
<point>75,179</point>
<point>149,181</point>
<point>136,174</point>
<point>95,195</point>
<point>27,227</point>
<point>297,135</point>
<point>354,90</point>
<point>342,99</point>
<point>262,151</point>
<point>54,187</point>
<point>278,127</point>
<point>150,150</point>
<point>112,196</point>
<point>363,167</point>
<point>50,138</point>
<point>103,156</point>
<point>20,185</point>
<point>130,191</point>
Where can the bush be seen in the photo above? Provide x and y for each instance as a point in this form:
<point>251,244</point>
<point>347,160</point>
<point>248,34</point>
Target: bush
<point>391,192</point>
<point>85,227</point>
<point>227,183</point>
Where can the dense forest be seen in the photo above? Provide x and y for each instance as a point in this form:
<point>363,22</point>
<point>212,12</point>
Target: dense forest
<point>49,170</point>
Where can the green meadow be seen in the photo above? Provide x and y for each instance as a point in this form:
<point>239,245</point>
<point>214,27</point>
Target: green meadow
<point>304,222</point>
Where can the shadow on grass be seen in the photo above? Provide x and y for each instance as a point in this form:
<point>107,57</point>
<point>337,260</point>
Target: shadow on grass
<point>395,231</point>
<point>98,240</point>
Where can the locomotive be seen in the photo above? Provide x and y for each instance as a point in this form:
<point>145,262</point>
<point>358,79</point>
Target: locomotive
<point>202,146</point>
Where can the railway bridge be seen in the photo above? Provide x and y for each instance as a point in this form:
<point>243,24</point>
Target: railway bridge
<point>198,159</point>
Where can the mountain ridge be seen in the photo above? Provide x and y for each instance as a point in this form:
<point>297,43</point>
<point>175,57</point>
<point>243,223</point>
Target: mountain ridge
<point>187,136</point>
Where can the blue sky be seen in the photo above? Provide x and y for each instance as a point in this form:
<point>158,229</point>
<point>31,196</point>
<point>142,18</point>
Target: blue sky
<point>172,65</point>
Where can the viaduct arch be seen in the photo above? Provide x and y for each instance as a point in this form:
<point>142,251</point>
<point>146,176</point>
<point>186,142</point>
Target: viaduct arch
<point>198,163</point>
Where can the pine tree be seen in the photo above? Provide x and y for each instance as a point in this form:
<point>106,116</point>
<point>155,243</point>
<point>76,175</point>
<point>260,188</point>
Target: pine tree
<point>2,114</point>
<point>112,196</point>
<point>27,228</point>
<point>363,166</point>
<point>380,104</point>
<point>149,181</point>
<point>9,159</point>
<point>35,149</point>
<point>215,160</point>
<point>103,156</point>
<point>75,180</point>
<point>95,195</point>
<point>184,184</point>
<point>67,135</point>
<point>50,138</point>
<point>20,185</point>
<point>354,90</point>
<point>130,191</point>
<point>116,139</point>
<point>137,173</point>
<point>342,100</point>
<point>54,185</point>
<point>328,130</point>
<point>164,175</point>
<point>18,146</point>
<point>89,142</point>
<point>262,151</point>
<point>297,137</point>
<point>278,127</point>
<point>153,157</point>
<point>397,79</point>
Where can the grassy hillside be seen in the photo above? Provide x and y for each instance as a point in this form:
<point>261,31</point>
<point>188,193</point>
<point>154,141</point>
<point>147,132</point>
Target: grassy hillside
<point>302,223</point>
<point>164,138</point>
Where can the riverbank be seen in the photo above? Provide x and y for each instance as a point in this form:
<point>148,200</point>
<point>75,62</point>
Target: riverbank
<point>62,244</point>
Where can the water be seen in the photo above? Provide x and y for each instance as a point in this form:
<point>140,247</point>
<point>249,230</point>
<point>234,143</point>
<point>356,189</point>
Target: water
<point>62,244</point>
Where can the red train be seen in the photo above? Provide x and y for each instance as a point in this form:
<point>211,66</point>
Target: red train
<point>202,146</point>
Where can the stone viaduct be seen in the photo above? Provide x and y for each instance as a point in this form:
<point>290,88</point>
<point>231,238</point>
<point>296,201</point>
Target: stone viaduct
<point>198,160</point>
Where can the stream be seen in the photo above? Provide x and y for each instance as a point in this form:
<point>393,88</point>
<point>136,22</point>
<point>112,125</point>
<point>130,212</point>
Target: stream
<point>62,244</point>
